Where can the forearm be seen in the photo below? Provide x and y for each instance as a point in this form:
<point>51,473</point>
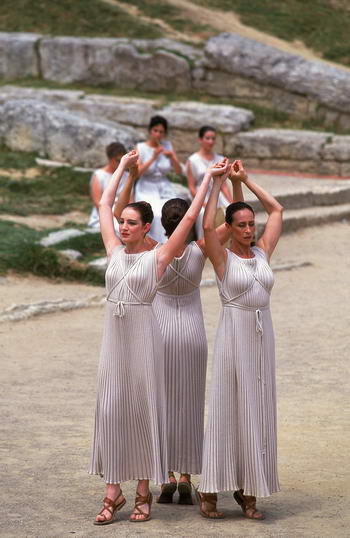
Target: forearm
<point>237,191</point>
<point>211,207</point>
<point>199,198</point>
<point>269,203</point>
<point>109,194</point>
<point>226,192</point>
<point>144,166</point>
<point>176,164</point>
<point>124,197</point>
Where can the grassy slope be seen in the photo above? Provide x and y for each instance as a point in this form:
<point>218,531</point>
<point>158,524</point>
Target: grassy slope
<point>320,24</point>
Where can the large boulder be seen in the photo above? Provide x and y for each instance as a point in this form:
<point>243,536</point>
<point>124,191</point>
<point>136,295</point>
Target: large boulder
<point>241,56</point>
<point>61,135</point>
<point>190,115</point>
<point>117,62</point>
<point>18,56</point>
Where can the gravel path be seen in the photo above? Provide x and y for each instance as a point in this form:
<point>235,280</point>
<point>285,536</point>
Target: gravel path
<point>48,367</point>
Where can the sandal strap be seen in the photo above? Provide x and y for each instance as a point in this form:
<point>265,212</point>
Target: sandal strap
<point>142,499</point>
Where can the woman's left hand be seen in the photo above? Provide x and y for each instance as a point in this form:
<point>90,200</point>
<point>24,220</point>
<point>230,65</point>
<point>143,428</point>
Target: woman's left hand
<point>237,172</point>
<point>168,153</point>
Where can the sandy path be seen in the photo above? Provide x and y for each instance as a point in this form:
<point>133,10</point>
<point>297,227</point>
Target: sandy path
<point>48,368</point>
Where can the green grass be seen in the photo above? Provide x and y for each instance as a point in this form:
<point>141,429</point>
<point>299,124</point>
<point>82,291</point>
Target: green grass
<point>20,252</point>
<point>320,24</point>
<point>54,191</point>
<point>72,18</point>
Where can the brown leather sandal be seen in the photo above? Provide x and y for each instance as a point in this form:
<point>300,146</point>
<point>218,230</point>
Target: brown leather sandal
<point>139,501</point>
<point>248,505</point>
<point>211,500</point>
<point>112,507</point>
<point>185,490</point>
<point>168,490</point>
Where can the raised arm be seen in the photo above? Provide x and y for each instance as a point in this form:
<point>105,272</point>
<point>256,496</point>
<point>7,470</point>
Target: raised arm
<point>223,232</point>
<point>213,246</point>
<point>125,194</point>
<point>109,236</point>
<point>190,179</point>
<point>177,239</point>
<point>273,227</point>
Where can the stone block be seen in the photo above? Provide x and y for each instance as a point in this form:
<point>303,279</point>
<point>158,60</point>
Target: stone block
<point>18,56</point>
<point>117,62</point>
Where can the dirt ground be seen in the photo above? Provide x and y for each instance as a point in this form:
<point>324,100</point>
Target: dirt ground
<point>48,367</point>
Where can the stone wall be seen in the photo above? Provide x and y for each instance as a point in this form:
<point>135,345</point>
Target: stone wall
<point>230,66</point>
<point>74,127</point>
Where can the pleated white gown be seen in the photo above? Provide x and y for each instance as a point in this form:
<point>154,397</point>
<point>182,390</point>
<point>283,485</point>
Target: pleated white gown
<point>130,421</point>
<point>178,309</point>
<point>240,438</point>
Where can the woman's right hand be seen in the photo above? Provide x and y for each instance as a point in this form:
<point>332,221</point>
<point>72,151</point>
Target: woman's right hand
<point>130,159</point>
<point>157,151</point>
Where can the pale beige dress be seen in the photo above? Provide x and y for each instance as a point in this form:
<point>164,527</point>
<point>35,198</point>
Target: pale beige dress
<point>178,309</point>
<point>240,440</point>
<point>130,421</point>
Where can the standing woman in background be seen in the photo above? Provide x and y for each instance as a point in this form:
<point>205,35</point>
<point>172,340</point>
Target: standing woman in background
<point>156,159</point>
<point>240,444</point>
<point>130,441</point>
<point>196,166</point>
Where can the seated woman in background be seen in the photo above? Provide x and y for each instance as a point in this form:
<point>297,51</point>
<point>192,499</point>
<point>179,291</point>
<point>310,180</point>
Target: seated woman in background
<point>156,159</point>
<point>196,166</point>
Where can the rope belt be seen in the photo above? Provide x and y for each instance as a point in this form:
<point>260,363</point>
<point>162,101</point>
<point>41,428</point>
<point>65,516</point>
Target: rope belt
<point>119,310</point>
<point>258,313</point>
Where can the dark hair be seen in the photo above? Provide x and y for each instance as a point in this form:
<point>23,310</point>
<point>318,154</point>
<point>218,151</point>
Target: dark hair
<point>144,209</point>
<point>114,150</point>
<point>158,120</point>
<point>236,206</point>
<point>173,212</point>
<point>205,129</point>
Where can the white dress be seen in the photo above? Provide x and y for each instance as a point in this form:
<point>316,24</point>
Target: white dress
<point>240,442</point>
<point>199,166</point>
<point>129,440</point>
<point>154,187</point>
<point>178,309</point>
<point>104,178</point>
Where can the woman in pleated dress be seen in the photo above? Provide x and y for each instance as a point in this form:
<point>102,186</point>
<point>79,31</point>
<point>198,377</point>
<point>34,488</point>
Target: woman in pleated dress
<point>178,309</point>
<point>239,452</point>
<point>130,441</point>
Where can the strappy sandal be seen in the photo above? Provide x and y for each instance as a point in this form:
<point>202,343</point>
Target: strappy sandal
<point>112,507</point>
<point>139,501</point>
<point>248,505</point>
<point>185,490</point>
<point>211,500</point>
<point>168,490</point>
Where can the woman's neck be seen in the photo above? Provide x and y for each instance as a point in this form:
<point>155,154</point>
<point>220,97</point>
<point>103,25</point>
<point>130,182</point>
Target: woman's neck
<point>243,251</point>
<point>153,143</point>
<point>135,247</point>
<point>206,154</point>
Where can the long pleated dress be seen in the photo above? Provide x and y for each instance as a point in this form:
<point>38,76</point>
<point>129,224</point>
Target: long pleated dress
<point>240,439</point>
<point>130,421</point>
<point>178,309</point>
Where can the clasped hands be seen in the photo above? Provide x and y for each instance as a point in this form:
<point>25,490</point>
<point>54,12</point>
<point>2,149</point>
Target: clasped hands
<point>224,169</point>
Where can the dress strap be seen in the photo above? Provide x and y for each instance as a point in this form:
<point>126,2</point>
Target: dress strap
<point>123,278</point>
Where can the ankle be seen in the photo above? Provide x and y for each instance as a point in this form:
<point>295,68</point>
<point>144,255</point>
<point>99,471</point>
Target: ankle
<point>113,491</point>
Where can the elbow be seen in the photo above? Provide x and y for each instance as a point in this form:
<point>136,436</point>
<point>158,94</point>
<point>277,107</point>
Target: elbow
<point>280,209</point>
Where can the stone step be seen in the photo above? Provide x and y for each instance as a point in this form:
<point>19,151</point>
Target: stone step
<point>296,219</point>
<point>295,192</point>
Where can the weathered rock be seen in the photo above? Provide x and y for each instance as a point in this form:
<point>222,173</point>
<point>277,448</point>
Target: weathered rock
<point>62,235</point>
<point>61,135</point>
<point>71,254</point>
<point>278,144</point>
<point>100,264</point>
<point>10,92</point>
<point>190,115</point>
<point>18,57</point>
<point>269,66</point>
<point>112,61</point>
